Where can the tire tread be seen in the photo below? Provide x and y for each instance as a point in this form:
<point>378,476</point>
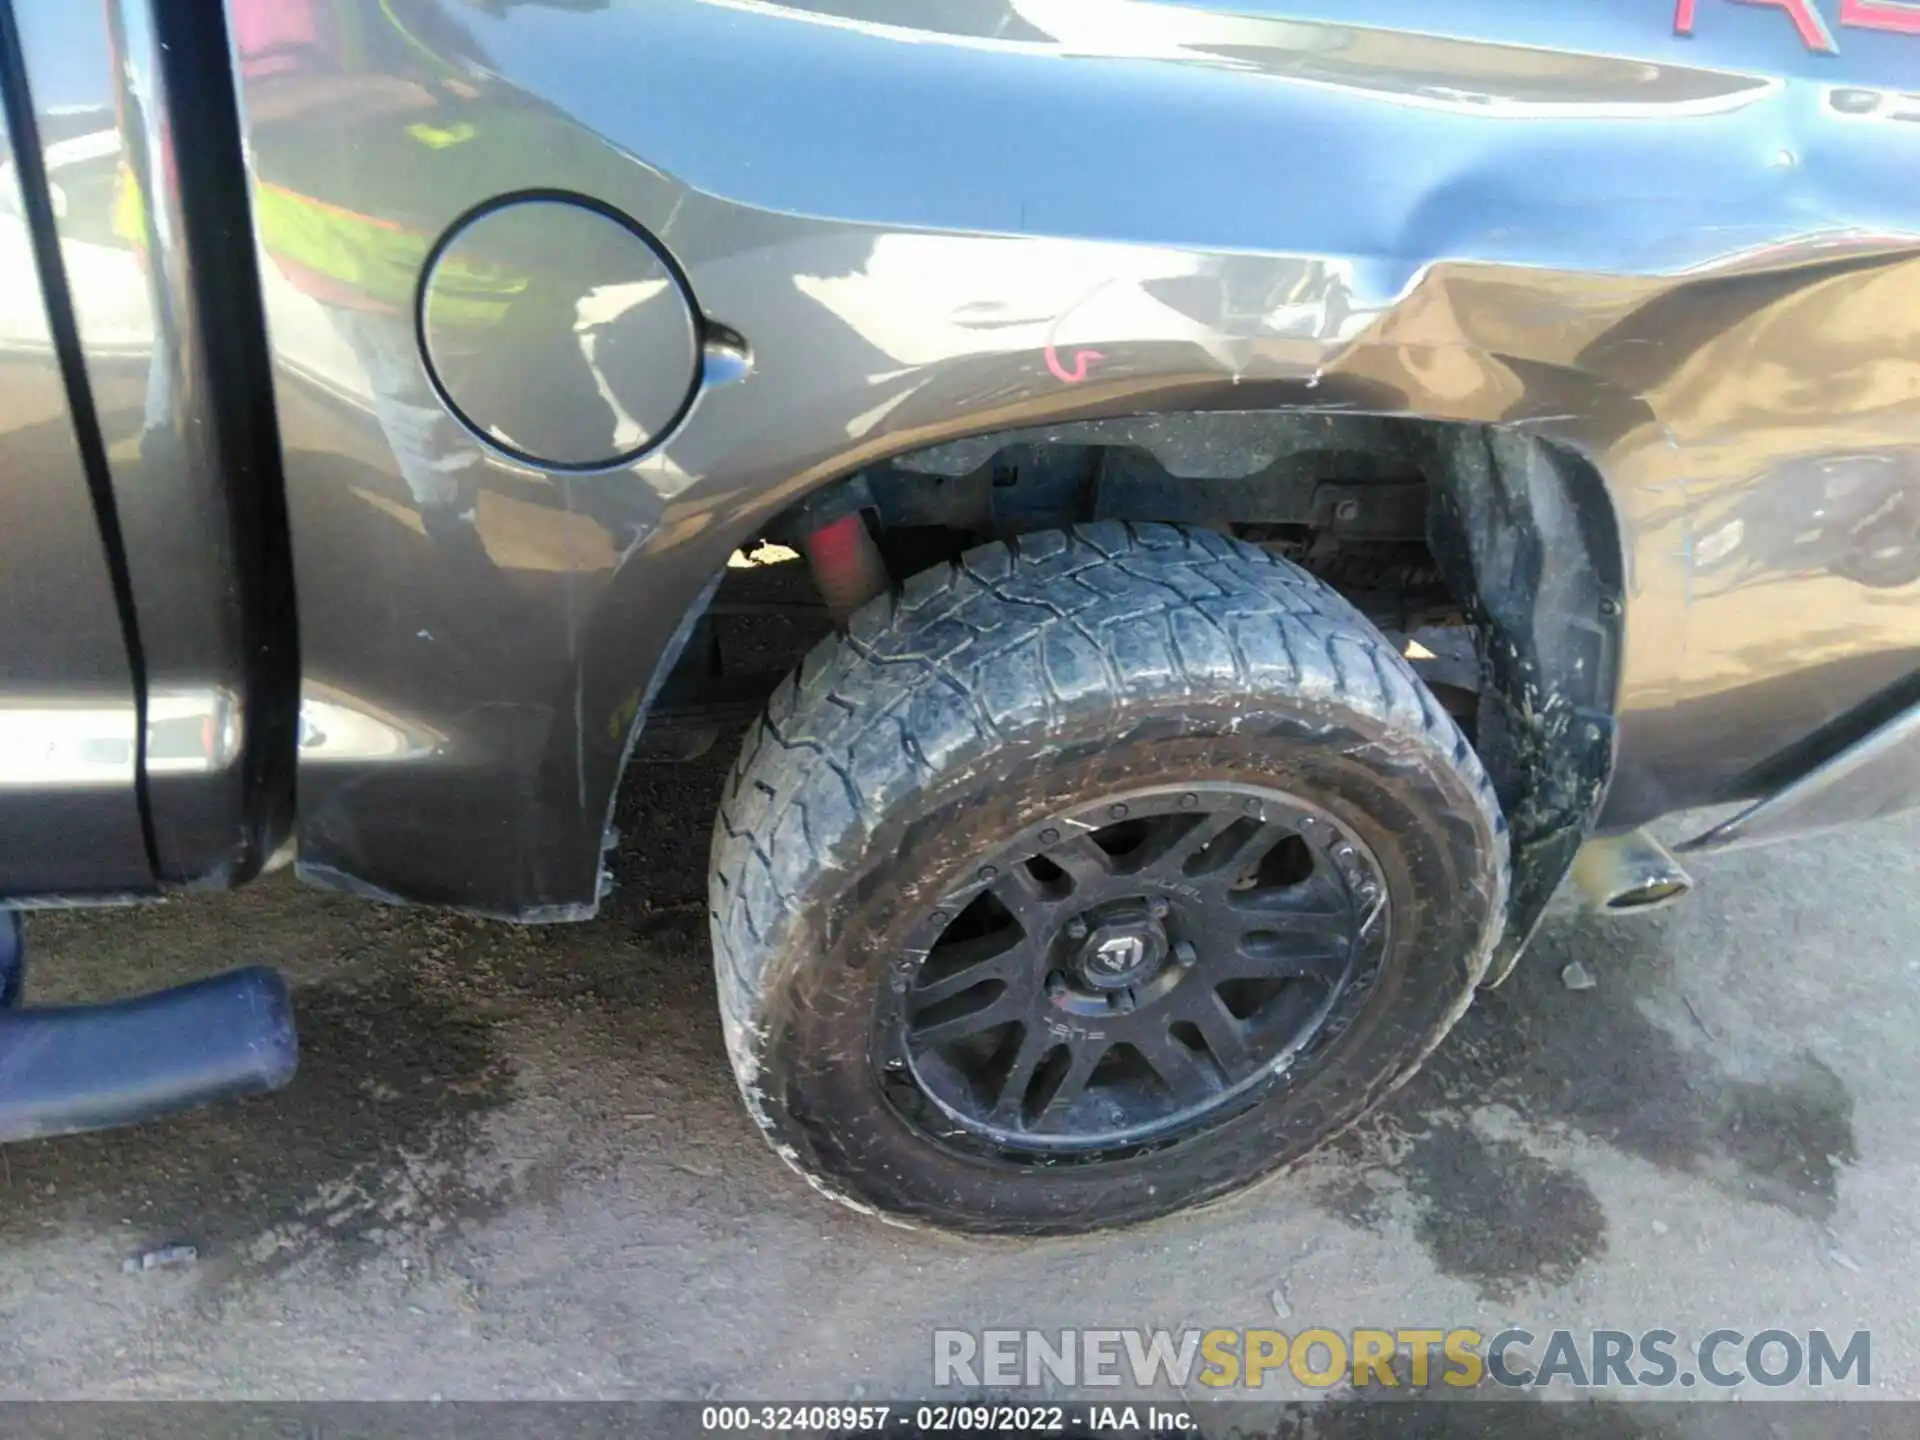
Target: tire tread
<point>1011,637</point>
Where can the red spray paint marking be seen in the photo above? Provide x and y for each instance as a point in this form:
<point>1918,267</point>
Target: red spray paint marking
<point>1083,361</point>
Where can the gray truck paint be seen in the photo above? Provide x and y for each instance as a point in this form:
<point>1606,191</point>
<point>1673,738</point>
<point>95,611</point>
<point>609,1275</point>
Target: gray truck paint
<point>1679,257</point>
<point>69,819</point>
<point>126,263</point>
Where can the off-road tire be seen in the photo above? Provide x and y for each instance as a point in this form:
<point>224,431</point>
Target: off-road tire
<point>1034,673</point>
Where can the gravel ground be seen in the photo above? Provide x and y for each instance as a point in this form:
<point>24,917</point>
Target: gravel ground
<point>513,1163</point>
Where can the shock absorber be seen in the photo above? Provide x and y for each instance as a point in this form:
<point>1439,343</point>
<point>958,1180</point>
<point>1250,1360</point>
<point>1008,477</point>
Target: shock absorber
<point>846,564</point>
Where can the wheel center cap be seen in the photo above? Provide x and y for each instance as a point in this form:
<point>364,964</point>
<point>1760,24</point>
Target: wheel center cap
<point>1122,952</point>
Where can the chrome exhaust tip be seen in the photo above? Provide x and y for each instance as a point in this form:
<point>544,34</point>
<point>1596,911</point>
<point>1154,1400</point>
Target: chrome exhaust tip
<point>1617,874</point>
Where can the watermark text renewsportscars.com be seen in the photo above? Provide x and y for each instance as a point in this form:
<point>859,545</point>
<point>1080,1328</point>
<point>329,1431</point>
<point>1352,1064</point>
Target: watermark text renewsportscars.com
<point>1399,1358</point>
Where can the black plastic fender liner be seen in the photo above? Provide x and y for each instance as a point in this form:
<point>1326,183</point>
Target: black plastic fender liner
<point>1526,535</point>
<point>66,1068</point>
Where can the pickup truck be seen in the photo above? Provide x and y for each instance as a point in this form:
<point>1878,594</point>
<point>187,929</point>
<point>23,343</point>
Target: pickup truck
<point>1206,511</point>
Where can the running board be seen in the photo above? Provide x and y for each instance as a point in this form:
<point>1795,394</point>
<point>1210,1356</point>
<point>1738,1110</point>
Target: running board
<point>65,1068</point>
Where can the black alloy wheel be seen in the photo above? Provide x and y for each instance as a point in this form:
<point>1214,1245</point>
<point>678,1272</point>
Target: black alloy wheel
<point>1098,874</point>
<point>1130,971</point>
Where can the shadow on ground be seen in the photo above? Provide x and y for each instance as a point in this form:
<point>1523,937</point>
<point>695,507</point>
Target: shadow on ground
<point>405,1019</point>
<point>404,1055</point>
<point>1593,1062</point>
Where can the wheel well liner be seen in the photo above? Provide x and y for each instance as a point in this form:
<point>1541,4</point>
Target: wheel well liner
<point>1528,538</point>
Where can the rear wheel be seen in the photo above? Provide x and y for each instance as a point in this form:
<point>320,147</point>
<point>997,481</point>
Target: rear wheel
<point>1090,877</point>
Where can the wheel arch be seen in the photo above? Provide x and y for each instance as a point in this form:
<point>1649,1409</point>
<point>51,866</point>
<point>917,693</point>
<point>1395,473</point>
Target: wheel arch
<point>1522,528</point>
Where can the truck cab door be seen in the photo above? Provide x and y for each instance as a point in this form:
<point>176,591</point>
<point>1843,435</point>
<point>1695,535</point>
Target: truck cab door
<point>70,822</point>
<point>143,540</point>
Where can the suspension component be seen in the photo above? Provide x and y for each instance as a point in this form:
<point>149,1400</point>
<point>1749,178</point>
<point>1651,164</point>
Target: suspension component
<point>846,564</point>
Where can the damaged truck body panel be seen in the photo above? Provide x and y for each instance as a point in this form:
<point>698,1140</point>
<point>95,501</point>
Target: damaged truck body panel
<point>1281,484</point>
<point>1637,278</point>
<point>1672,258</point>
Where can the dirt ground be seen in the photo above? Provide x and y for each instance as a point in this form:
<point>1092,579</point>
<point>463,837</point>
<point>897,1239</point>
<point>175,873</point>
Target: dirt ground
<point>513,1163</point>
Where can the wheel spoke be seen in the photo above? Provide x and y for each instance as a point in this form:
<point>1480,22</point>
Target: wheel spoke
<point>1237,940</point>
<point>1209,831</point>
<point>1314,898</point>
<point>1018,890</point>
<point>1035,1041</point>
<point>1005,1006</point>
<point>1082,1059</point>
<point>1309,908</point>
<point>1269,954</point>
<point>1179,1071</point>
<point>1221,1033</point>
<point>1083,859</point>
<point>967,963</point>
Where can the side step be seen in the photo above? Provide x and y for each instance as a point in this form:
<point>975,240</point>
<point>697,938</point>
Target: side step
<point>65,1068</point>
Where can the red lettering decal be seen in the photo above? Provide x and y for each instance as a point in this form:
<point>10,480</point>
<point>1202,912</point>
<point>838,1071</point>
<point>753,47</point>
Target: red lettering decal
<point>1683,16</point>
<point>1881,15</point>
<point>1813,30</point>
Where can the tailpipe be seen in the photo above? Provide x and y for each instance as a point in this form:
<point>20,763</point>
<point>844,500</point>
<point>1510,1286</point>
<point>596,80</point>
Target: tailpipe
<point>1621,873</point>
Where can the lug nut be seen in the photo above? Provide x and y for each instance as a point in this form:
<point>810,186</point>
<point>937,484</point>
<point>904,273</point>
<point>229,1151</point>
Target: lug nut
<point>1056,983</point>
<point>1120,1001</point>
<point>1049,836</point>
<point>1187,802</point>
<point>1252,806</point>
<point>1118,812</point>
<point>1076,929</point>
<point>1159,906</point>
<point>1185,954</point>
<point>987,872</point>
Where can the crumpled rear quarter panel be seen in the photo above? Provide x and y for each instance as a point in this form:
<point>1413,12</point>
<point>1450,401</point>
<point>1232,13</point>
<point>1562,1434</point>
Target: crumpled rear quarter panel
<point>1692,259</point>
